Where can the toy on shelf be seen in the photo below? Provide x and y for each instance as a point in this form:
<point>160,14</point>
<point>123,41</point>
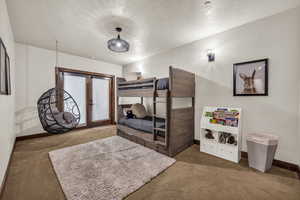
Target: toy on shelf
<point>208,134</point>
<point>227,138</point>
<point>223,137</point>
<point>231,140</point>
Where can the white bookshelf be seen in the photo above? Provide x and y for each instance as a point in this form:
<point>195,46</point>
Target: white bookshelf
<point>214,147</point>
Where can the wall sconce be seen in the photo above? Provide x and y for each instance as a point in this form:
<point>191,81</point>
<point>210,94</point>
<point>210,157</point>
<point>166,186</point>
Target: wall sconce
<point>211,55</point>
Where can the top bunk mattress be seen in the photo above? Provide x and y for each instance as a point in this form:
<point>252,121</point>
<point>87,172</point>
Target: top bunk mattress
<point>161,84</point>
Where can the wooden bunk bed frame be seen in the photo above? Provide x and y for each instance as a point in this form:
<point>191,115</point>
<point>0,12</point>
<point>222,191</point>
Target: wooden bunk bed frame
<point>179,122</point>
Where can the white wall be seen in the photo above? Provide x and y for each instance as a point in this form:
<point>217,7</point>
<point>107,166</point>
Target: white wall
<point>36,73</point>
<point>277,38</point>
<point>7,104</point>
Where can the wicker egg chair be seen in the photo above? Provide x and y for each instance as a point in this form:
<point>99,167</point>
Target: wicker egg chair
<point>58,111</point>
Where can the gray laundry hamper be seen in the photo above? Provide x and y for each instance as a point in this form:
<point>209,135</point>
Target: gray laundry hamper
<point>261,150</point>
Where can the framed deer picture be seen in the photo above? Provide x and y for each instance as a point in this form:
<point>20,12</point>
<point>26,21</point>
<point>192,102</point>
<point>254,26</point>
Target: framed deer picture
<point>250,78</point>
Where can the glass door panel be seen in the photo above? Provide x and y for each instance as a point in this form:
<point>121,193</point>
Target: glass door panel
<point>93,92</point>
<point>100,99</point>
<point>76,87</point>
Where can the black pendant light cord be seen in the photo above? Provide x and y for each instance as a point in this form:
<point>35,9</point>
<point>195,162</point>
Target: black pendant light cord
<point>119,30</point>
<point>56,51</point>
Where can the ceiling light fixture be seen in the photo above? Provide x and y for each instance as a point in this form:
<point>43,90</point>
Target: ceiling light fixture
<point>117,44</point>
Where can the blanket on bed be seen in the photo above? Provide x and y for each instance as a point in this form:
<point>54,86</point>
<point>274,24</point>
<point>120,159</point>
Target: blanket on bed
<point>144,124</point>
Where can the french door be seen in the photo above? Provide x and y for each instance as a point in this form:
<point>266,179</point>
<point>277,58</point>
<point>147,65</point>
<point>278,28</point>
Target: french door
<point>93,92</point>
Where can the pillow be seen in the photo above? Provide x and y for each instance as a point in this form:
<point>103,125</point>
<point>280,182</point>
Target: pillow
<point>68,117</point>
<point>139,110</point>
<point>58,117</point>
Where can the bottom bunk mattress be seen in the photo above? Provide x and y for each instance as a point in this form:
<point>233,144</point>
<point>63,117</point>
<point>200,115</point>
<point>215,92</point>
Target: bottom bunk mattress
<point>144,124</point>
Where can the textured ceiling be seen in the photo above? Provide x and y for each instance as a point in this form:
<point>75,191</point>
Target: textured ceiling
<point>83,27</point>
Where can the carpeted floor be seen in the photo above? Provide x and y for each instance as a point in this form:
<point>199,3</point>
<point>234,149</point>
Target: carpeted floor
<point>195,175</point>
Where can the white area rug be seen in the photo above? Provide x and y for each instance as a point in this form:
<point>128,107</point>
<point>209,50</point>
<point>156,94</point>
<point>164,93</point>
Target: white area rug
<point>109,168</point>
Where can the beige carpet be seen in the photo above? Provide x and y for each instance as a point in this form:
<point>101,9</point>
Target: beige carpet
<point>110,168</point>
<point>194,175</point>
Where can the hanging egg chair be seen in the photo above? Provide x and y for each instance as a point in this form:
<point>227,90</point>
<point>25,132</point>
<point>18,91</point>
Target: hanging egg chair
<point>58,111</point>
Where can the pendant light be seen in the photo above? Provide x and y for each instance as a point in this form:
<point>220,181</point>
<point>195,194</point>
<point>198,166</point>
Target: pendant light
<point>117,44</point>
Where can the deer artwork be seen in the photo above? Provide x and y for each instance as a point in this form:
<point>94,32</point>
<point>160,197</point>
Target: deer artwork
<point>249,87</point>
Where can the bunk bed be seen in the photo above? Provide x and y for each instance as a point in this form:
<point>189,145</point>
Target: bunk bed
<point>171,133</point>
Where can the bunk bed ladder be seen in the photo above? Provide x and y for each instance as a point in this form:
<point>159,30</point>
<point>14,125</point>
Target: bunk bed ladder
<point>154,110</point>
<point>154,117</point>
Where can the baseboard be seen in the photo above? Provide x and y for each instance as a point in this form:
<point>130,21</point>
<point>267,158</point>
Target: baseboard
<point>45,134</point>
<point>2,186</point>
<point>277,163</point>
<point>38,135</point>
<point>197,142</point>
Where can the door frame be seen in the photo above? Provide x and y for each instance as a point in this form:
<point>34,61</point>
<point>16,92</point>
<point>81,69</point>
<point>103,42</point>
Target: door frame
<point>59,83</point>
